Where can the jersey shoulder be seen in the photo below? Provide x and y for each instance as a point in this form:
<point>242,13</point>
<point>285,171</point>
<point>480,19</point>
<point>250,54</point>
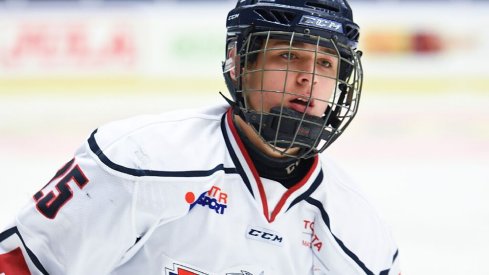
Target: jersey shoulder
<point>352,217</point>
<point>163,142</point>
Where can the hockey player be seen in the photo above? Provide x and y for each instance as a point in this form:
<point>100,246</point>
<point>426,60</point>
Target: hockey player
<point>235,189</point>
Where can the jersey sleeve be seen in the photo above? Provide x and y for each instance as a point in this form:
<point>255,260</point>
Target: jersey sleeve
<point>349,236</point>
<point>358,255</point>
<point>81,222</point>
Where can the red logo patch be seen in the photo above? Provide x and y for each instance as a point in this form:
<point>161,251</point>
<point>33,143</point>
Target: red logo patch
<point>13,262</point>
<point>183,270</point>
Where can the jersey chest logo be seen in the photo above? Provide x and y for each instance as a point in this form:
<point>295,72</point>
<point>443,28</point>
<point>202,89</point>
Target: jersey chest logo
<point>179,269</point>
<point>215,199</point>
<point>183,270</point>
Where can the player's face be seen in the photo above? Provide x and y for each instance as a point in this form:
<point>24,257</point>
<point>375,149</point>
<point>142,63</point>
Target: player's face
<point>303,81</point>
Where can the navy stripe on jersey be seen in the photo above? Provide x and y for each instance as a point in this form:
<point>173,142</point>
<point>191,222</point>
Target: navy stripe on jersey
<point>155,173</point>
<point>236,162</point>
<point>395,255</point>
<point>309,191</point>
<point>345,249</point>
<point>386,272</point>
<point>14,231</point>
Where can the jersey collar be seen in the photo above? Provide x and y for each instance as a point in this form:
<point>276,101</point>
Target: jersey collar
<point>252,180</point>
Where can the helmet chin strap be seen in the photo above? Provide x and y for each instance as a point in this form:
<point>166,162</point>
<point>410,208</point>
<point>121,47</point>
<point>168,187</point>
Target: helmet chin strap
<point>287,128</point>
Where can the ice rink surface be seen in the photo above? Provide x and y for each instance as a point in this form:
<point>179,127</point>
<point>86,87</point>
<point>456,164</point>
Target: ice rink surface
<point>422,158</point>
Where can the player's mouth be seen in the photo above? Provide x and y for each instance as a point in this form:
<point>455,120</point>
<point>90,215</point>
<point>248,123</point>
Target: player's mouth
<point>302,105</point>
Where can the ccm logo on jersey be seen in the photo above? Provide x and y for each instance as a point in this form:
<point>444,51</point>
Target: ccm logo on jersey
<point>215,199</point>
<point>264,235</point>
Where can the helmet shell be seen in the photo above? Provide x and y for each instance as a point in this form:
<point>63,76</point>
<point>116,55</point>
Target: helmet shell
<point>325,18</point>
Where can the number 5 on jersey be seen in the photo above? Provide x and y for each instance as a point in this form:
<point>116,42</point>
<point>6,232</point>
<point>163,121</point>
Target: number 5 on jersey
<point>50,203</point>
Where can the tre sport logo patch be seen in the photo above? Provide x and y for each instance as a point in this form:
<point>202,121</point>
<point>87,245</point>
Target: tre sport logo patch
<point>215,199</point>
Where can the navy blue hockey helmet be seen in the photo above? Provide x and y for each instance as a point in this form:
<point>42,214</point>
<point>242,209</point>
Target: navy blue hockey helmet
<point>326,23</point>
<point>325,18</point>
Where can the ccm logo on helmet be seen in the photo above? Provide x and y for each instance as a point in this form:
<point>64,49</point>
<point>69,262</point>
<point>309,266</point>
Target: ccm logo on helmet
<point>264,235</point>
<point>233,16</point>
<point>321,23</point>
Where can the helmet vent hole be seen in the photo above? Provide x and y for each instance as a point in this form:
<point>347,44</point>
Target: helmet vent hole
<point>284,17</point>
<point>266,15</point>
<point>276,16</point>
<point>322,6</point>
<point>352,32</point>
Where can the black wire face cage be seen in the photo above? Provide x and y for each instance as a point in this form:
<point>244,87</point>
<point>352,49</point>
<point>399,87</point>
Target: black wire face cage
<point>297,90</point>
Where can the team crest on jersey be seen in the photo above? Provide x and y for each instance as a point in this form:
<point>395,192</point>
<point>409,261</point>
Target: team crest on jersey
<point>183,270</point>
<point>215,199</point>
<point>179,269</point>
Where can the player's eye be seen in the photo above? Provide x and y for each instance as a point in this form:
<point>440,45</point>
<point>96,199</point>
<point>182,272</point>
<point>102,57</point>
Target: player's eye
<point>324,63</point>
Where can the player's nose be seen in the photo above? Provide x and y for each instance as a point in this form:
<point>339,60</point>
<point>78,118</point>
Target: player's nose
<point>306,74</point>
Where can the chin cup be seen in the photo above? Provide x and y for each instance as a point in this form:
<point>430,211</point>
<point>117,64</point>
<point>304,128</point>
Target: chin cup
<point>286,128</point>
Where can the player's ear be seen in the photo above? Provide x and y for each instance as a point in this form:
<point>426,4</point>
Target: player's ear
<point>232,61</point>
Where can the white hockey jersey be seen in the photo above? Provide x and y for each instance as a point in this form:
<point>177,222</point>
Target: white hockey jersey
<point>177,194</point>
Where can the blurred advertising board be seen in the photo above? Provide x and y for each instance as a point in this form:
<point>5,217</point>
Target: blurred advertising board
<point>158,44</point>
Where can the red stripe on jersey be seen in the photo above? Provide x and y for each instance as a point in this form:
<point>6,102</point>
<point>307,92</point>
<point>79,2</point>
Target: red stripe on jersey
<point>294,188</point>
<point>250,163</point>
<point>261,189</point>
<point>13,262</point>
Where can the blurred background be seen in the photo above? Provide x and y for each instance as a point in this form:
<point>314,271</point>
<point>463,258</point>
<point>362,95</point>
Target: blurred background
<point>419,146</point>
